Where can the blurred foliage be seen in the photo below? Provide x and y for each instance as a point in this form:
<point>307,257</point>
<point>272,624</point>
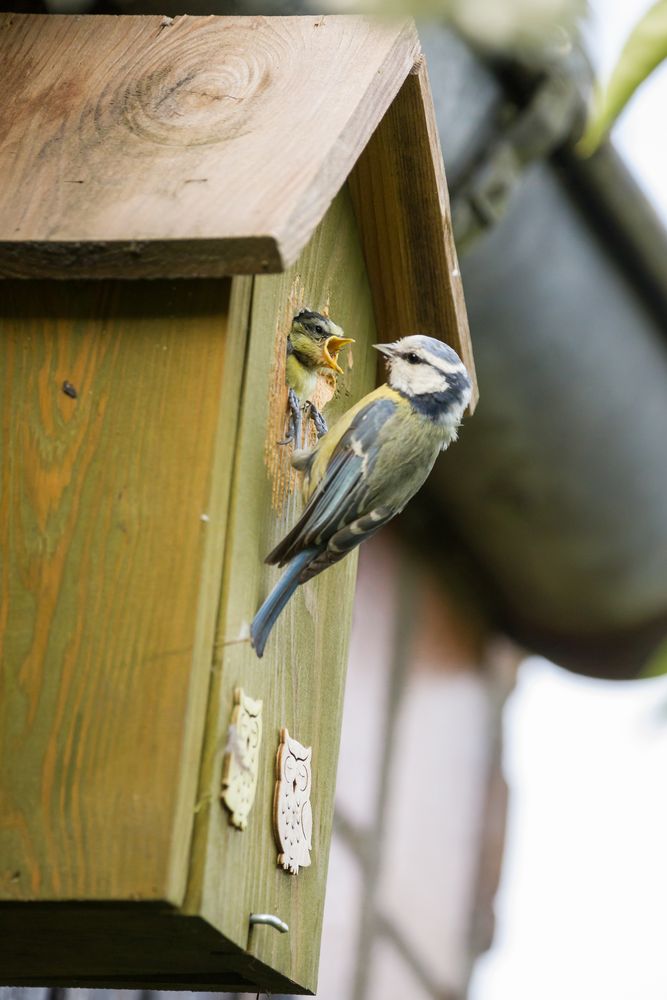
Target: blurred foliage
<point>644,50</point>
<point>657,665</point>
<point>519,26</point>
<point>504,26</point>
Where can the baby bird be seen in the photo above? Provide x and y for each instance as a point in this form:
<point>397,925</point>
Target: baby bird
<point>369,465</point>
<point>313,344</point>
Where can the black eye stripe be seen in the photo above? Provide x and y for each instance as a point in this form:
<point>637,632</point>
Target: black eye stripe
<point>414,359</point>
<point>431,364</point>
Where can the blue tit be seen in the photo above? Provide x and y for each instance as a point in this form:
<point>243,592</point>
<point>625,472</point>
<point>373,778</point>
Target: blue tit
<point>362,473</point>
<point>313,345</point>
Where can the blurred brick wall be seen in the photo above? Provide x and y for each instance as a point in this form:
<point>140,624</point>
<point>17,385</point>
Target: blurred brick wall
<point>412,871</point>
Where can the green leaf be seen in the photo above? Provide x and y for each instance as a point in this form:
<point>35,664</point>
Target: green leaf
<point>645,48</point>
<point>657,665</point>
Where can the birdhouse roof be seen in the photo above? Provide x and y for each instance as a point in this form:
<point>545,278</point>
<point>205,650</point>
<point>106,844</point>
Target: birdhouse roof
<point>145,146</point>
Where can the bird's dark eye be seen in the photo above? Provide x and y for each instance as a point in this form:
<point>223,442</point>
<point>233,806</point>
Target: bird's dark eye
<point>412,359</point>
<point>319,329</point>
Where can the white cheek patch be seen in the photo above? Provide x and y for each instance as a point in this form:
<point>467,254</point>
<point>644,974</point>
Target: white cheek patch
<point>416,380</point>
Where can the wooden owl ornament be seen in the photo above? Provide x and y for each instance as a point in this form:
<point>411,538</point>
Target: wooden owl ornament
<point>292,812</point>
<point>241,760</point>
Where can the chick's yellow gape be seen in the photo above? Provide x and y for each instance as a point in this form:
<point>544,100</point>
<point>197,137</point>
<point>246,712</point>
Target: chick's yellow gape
<point>373,460</point>
<point>313,345</point>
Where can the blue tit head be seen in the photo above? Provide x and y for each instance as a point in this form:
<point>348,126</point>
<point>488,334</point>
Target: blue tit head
<point>317,340</point>
<point>430,374</point>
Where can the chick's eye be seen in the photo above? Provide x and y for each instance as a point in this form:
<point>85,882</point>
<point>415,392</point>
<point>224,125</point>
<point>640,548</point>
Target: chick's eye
<point>319,329</point>
<point>412,359</point>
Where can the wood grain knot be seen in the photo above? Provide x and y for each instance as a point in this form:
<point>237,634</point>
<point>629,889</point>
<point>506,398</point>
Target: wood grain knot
<point>205,92</point>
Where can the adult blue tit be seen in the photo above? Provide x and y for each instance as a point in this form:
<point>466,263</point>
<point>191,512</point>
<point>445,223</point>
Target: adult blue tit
<point>363,472</point>
<point>313,345</point>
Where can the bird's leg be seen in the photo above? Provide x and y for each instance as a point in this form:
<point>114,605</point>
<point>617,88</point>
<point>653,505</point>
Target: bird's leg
<point>317,418</point>
<point>294,426</point>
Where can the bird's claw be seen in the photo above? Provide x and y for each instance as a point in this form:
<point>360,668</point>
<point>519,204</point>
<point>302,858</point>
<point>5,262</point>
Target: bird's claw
<point>318,420</point>
<point>295,425</point>
<point>295,418</point>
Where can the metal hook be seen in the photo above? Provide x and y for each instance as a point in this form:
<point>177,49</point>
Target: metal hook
<point>270,920</point>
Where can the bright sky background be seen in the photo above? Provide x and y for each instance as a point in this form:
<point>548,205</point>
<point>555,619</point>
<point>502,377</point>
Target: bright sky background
<point>641,132</point>
<point>582,907</point>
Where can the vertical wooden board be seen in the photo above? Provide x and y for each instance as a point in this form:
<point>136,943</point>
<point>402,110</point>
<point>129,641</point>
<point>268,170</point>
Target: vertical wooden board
<point>402,204</point>
<point>112,516</point>
<point>302,674</point>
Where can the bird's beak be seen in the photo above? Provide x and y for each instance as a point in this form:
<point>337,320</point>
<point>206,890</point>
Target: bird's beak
<point>331,348</point>
<point>386,349</point>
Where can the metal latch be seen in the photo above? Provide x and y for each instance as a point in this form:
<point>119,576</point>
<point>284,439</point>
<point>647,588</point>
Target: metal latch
<point>554,114</point>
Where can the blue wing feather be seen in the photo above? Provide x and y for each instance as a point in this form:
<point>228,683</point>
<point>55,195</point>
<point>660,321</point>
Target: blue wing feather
<point>339,498</point>
<point>335,520</point>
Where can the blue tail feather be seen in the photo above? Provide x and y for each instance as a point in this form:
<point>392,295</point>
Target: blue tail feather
<point>267,615</point>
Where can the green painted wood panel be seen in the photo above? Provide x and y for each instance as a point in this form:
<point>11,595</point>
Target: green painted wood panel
<point>124,510</point>
<point>112,519</point>
<point>301,677</point>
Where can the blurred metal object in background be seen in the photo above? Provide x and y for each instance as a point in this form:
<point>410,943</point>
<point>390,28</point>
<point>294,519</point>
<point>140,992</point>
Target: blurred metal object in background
<point>558,488</point>
<point>551,115</point>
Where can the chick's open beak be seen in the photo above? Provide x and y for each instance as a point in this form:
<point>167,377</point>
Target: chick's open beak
<point>331,348</point>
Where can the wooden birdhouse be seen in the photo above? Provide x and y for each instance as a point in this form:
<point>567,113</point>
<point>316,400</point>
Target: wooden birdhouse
<point>174,191</point>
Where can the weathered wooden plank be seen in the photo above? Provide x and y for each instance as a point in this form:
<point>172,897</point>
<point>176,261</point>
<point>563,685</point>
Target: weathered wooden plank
<point>302,675</point>
<point>402,206</point>
<point>194,146</point>
<point>141,945</point>
<point>112,522</point>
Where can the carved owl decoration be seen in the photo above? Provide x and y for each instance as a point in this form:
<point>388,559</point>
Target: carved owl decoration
<point>292,812</point>
<point>241,760</point>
